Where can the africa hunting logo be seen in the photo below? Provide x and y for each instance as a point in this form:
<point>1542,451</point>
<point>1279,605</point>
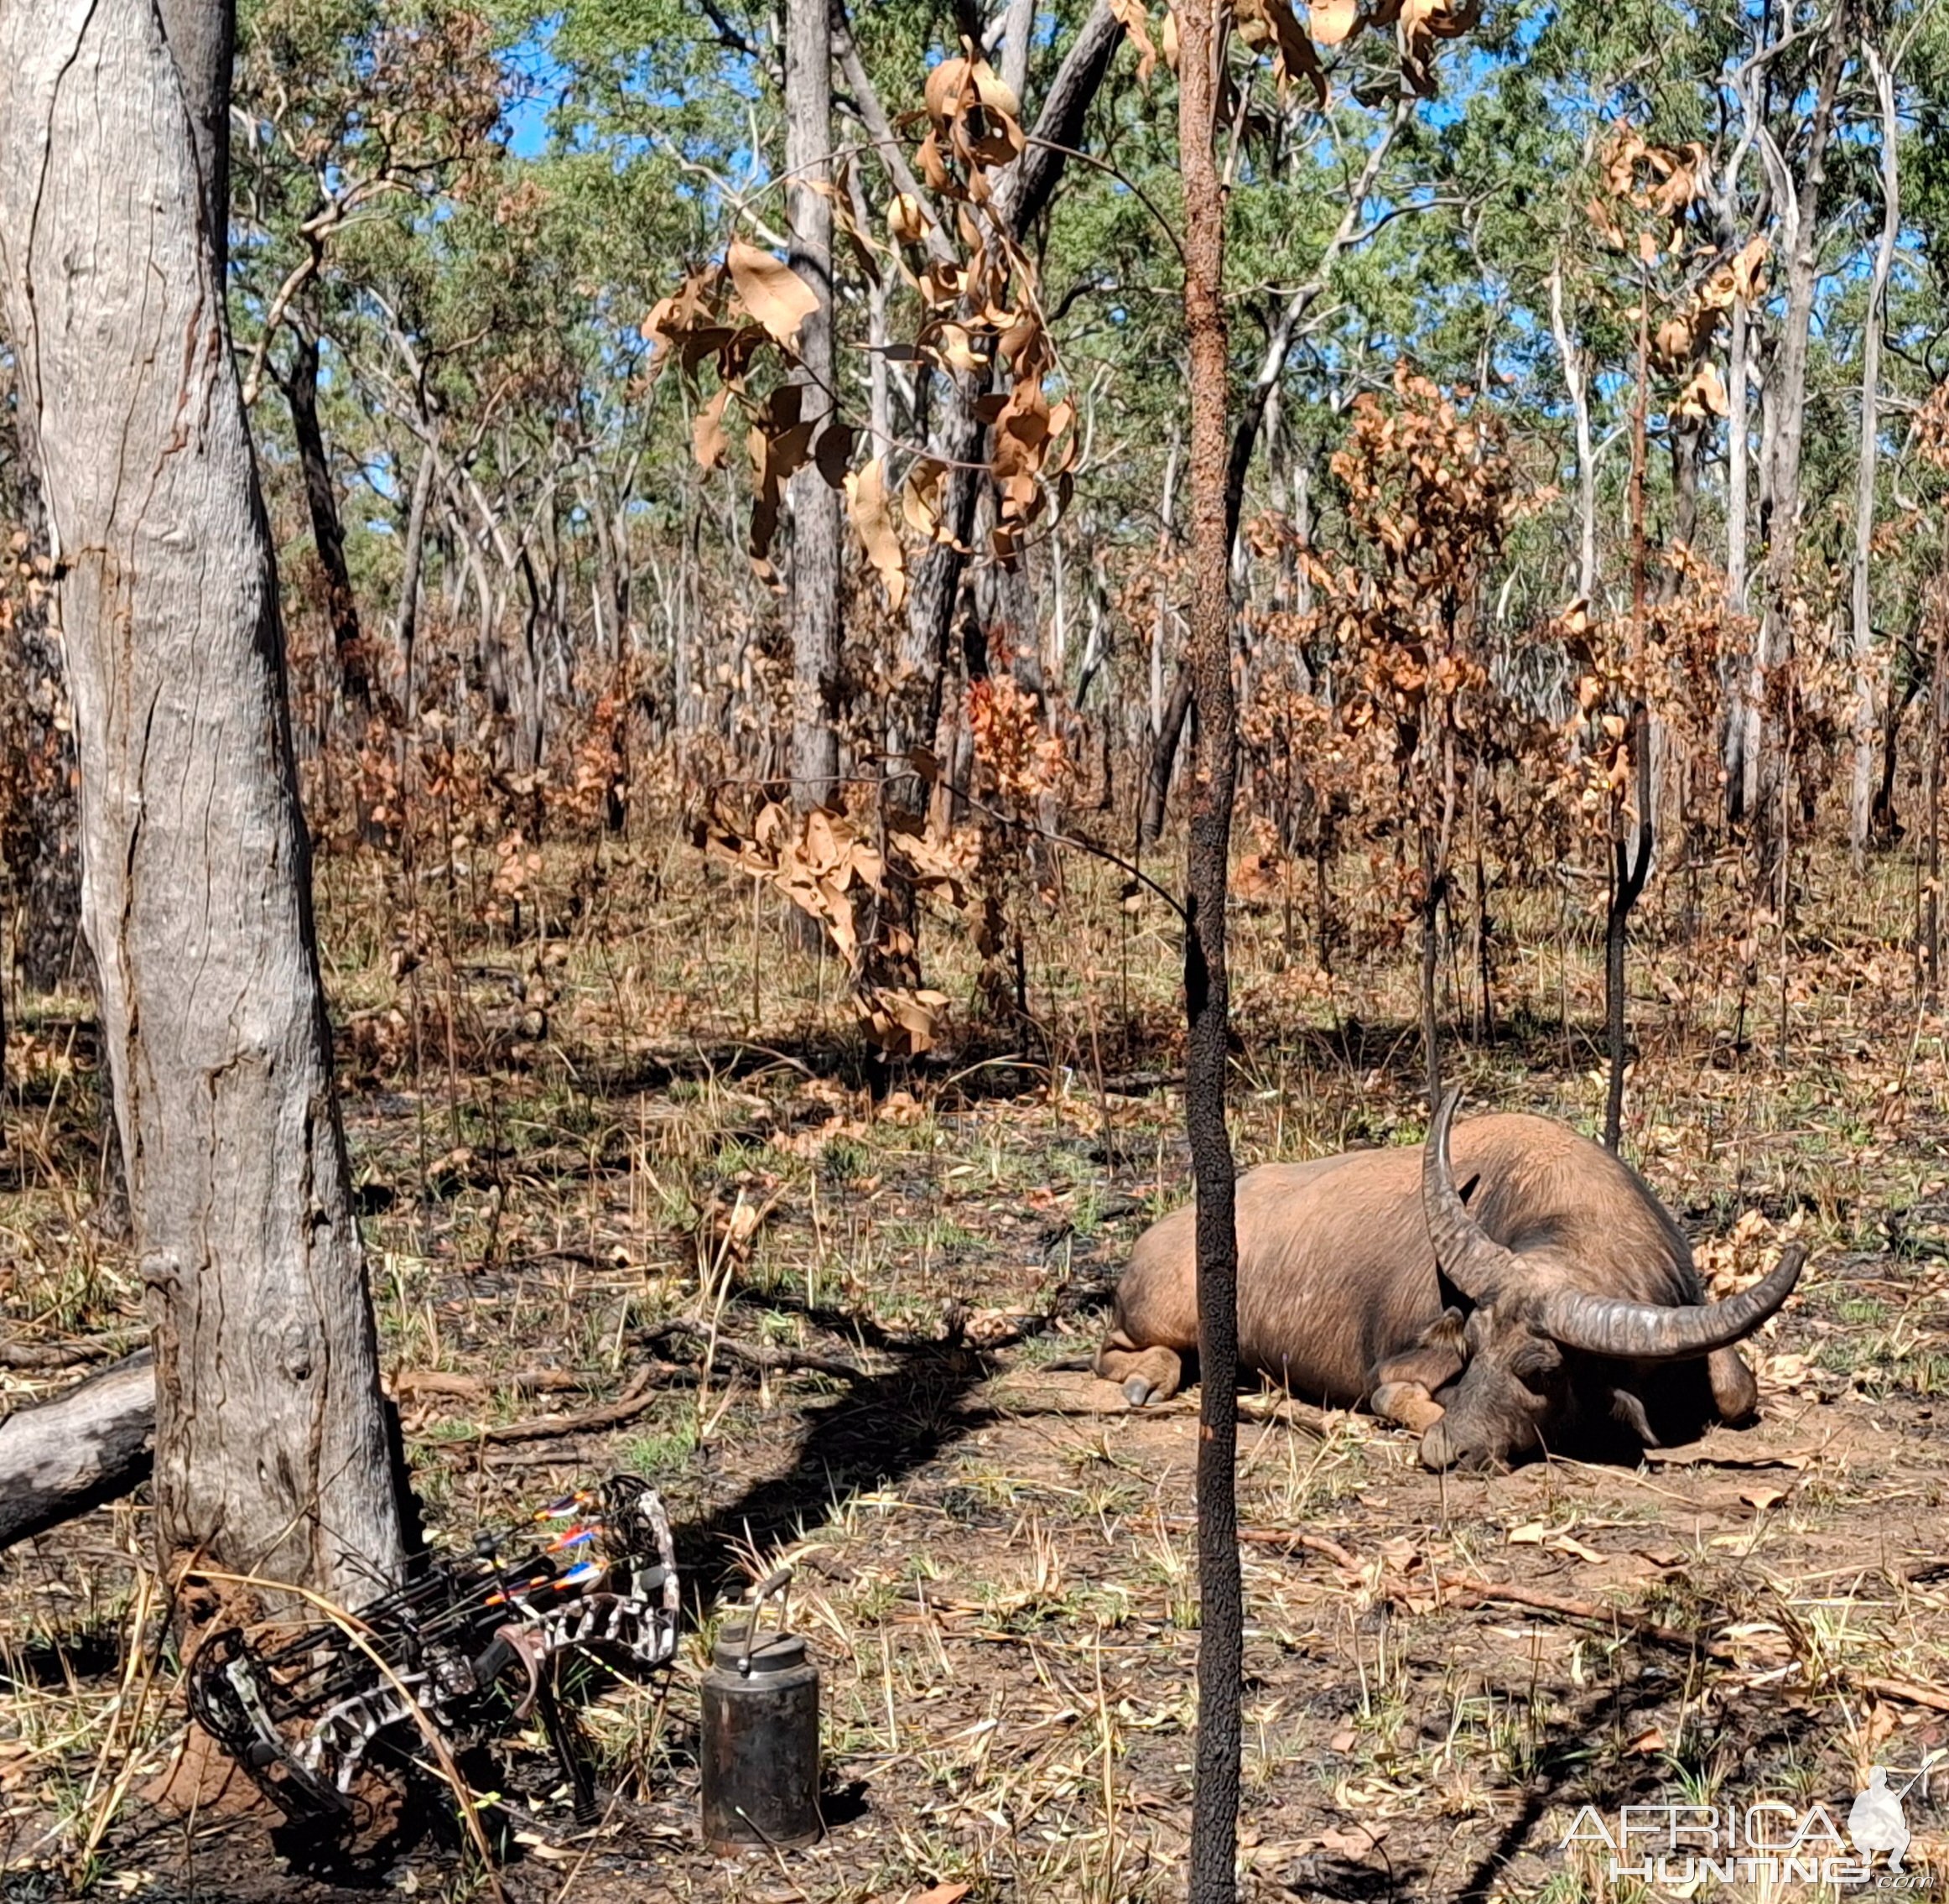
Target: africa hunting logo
<point>1768,1843</point>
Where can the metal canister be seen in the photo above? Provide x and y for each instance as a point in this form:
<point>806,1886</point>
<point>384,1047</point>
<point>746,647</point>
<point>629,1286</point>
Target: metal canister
<point>760,1749</point>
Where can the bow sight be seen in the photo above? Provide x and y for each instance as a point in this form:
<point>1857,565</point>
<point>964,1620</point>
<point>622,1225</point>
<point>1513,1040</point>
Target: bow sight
<point>471,1647</point>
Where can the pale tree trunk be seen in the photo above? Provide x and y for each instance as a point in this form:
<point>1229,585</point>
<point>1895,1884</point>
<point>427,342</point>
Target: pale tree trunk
<point>1736,736</point>
<point>1861,793</point>
<point>1576,381</point>
<point>1221,1600</point>
<point>412,562</point>
<point>1788,400</point>
<point>271,1451</point>
<point>815,503</point>
<point>1017,29</point>
<point>1739,446</point>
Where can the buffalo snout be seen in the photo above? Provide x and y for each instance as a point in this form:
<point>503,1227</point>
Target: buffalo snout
<point>1448,1445</point>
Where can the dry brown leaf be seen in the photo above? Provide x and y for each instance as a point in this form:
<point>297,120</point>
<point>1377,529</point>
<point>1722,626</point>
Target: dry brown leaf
<point>707,436</point>
<point>906,219</point>
<point>1705,395</point>
<point>1135,21</point>
<point>1334,20</point>
<point>920,497</point>
<point>771,291</point>
<point>1271,24</point>
<point>834,451</point>
<point>873,522</point>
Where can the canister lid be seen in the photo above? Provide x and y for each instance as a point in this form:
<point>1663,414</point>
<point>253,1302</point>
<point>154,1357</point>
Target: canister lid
<point>769,1652</point>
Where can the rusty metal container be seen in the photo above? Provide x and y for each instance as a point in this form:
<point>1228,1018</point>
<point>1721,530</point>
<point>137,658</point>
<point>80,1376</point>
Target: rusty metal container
<point>760,1748</point>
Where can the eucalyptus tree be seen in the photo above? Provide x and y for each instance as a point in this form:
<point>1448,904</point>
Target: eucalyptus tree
<point>271,1454</point>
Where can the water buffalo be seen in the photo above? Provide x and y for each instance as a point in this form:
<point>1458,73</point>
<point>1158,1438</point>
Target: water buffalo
<point>1556,1309</point>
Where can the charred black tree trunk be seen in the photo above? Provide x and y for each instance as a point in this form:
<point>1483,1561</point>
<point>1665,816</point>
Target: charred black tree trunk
<point>1221,1599</point>
<point>299,384</point>
<point>1907,677</point>
<point>1629,867</point>
<point>1163,759</point>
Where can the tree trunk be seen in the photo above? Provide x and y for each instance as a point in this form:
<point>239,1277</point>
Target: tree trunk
<point>1163,758</point>
<point>1629,868</point>
<point>1430,921</point>
<point>328,537</point>
<point>1688,436</point>
<point>962,437</point>
<point>1738,730</point>
<point>1861,793</point>
<point>815,503</point>
<point>1160,620</point>
<point>271,1448</point>
<point>201,36</point>
<point>40,841</point>
<point>89,1446</point>
<point>1221,1642</point>
<point>1931,920</point>
<point>413,561</point>
<point>1905,673</point>
<point>1018,25</point>
<point>1576,381</point>
<point>1788,401</point>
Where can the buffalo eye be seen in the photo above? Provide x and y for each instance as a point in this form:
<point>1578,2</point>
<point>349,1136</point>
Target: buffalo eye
<point>1535,1360</point>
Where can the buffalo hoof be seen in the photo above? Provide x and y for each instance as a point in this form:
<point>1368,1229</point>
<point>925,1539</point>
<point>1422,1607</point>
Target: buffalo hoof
<point>1138,1389</point>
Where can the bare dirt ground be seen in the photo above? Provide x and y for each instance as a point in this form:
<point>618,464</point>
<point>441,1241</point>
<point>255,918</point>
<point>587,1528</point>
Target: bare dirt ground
<point>994,1558</point>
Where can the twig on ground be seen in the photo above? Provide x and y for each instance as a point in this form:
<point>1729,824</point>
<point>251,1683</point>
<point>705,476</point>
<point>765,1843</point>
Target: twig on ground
<point>1291,1540</point>
<point>1600,1611</point>
<point>411,1384</point>
<point>756,1354</point>
<point>637,1399</point>
<point>1913,1691</point>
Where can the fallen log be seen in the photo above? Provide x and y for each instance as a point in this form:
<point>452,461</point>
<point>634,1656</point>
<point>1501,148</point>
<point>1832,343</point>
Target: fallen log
<point>60,1459</point>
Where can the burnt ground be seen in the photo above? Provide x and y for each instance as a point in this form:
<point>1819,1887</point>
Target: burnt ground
<point>994,1558</point>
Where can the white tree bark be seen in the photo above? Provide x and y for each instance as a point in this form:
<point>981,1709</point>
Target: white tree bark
<point>815,503</point>
<point>1860,792</point>
<point>271,1449</point>
<point>1576,381</point>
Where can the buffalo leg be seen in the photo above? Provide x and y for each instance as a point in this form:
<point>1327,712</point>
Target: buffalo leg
<point>1144,1375</point>
<point>1402,1387</point>
<point>1735,1393</point>
<point>1408,1403</point>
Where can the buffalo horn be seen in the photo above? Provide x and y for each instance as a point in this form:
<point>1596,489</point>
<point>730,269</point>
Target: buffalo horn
<point>1476,1266</point>
<point>1649,1332</point>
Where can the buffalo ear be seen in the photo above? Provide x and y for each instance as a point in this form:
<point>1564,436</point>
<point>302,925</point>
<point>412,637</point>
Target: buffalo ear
<point>1430,1361</point>
<point>1627,1408</point>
